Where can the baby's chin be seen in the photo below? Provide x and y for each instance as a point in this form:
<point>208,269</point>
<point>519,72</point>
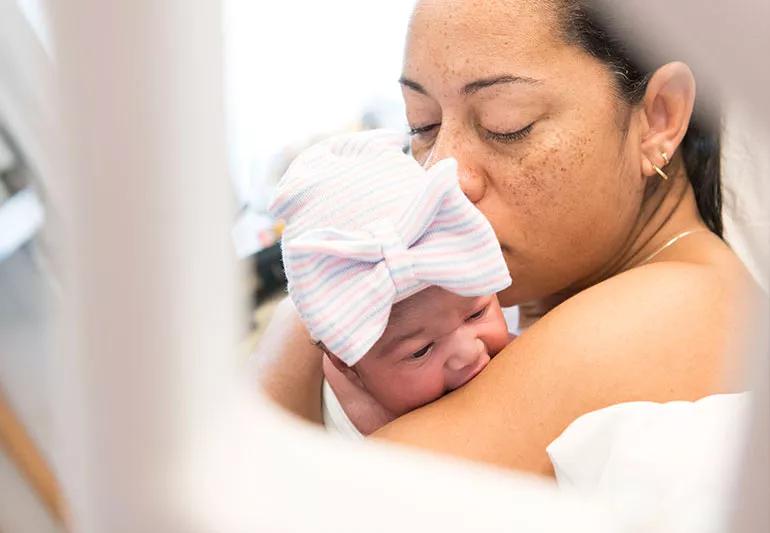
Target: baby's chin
<point>402,409</point>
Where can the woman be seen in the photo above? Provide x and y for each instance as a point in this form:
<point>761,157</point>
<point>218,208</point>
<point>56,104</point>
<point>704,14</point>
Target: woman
<point>604,193</point>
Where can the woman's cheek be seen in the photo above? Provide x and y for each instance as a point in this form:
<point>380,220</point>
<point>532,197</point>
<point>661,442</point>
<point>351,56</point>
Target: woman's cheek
<point>516,195</point>
<point>420,150</point>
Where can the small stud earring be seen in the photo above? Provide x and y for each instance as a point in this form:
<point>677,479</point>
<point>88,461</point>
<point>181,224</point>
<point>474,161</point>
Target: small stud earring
<point>664,155</point>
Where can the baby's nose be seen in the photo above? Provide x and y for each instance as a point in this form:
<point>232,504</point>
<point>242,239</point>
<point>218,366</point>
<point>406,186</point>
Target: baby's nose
<point>466,353</point>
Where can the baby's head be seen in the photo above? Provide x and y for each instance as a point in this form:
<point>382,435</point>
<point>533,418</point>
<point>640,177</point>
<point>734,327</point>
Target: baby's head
<point>435,342</point>
<point>386,260</point>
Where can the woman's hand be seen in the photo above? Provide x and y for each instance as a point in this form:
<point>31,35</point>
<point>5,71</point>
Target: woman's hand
<point>288,365</point>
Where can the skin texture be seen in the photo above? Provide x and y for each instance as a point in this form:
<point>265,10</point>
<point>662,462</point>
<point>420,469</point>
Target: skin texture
<point>450,340</point>
<point>527,188</point>
<point>581,217</point>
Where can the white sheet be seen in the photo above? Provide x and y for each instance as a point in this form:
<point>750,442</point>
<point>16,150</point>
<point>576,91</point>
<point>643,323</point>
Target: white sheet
<point>671,463</point>
<point>335,418</point>
<point>746,191</point>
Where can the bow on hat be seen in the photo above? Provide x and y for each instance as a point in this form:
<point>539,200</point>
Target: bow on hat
<point>344,283</point>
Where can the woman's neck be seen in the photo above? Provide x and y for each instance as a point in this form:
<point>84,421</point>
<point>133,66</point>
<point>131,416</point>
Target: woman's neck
<point>669,208</point>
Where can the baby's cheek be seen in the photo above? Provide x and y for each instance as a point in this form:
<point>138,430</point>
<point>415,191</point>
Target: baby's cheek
<point>419,388</point>
<point>496,336</point>
<point>431,386</point>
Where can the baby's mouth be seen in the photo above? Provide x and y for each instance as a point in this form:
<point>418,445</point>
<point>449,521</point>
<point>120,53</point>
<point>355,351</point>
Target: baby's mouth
<point>483,361</point>
<point>475,372</point>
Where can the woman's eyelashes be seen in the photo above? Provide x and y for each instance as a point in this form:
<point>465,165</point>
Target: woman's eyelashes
<point>425,133</point>
<point>510,137</point>
<point>420,131</point>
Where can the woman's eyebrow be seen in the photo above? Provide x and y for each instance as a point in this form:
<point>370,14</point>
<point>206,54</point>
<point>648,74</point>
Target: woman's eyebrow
<point>477,85</point>
<point>473,86</point>
<point>406,82</point>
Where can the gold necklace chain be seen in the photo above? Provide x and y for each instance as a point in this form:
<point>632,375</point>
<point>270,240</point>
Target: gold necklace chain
<point>671,241</point>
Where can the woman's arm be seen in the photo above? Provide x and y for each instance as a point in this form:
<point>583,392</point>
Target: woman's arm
<point>658,333</point>
<point>288,364</point>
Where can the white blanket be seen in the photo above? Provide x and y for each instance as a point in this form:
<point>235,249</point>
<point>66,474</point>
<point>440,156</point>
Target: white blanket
<point>335,419</point>
<point>674,463</point>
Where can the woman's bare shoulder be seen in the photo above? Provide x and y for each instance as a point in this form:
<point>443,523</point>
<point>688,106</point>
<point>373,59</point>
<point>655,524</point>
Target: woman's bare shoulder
<point>659,333</point>
<point>675,320</point>
<point>667,295</point>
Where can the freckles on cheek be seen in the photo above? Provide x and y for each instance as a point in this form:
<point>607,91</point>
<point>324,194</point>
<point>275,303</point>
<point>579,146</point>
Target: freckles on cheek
<point>553,176</point>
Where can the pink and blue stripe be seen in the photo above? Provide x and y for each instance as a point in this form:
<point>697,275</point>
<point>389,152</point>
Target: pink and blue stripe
<point>367,227</point>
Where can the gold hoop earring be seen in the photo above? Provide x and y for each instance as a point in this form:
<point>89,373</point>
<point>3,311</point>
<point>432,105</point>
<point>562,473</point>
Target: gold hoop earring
<point>664,155</point>
<point>659,171</point>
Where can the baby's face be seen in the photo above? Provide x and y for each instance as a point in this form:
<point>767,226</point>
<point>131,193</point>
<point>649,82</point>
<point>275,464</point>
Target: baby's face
<point>435,342</point>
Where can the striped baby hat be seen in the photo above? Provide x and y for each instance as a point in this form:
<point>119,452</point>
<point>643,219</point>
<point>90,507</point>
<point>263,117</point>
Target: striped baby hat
<point>366,227</point>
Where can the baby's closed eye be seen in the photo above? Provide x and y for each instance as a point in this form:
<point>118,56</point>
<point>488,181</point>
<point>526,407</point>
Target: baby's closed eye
<point>423,352</point>
<point>478,314</point>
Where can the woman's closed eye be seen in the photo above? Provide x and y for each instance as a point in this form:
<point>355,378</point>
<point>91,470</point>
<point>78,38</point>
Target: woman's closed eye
<point>423,131</point>
<point>429,130</point>
<point>509,137</point>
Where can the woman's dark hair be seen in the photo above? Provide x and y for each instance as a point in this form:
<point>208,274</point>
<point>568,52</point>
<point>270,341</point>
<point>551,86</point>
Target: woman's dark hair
<point>701,150</point>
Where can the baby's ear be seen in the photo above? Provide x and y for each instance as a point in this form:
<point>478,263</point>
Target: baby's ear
<point>340,365</point>
<point>343,369</point>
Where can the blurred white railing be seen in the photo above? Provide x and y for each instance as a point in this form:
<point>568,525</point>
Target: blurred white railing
<point>155,431</point>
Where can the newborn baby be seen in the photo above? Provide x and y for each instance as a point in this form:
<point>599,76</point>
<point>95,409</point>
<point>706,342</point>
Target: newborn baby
<point>392,270</point>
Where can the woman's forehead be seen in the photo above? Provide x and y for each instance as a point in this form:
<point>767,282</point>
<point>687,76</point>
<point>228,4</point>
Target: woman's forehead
<point>463,38</point>
<point>489,21</point>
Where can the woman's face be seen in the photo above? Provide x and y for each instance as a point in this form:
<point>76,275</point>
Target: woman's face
<point>538,133</point>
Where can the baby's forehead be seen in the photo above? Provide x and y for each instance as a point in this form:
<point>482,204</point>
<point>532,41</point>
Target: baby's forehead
<point>428,306</point>
<point>431,312</point>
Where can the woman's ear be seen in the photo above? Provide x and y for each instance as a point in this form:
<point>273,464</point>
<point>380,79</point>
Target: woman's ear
<point>667,109</point>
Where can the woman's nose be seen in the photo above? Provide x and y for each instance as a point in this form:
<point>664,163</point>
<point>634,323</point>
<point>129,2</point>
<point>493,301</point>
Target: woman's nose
<point>472,181</point>
<point>473,185</point>
<point>466,353</point>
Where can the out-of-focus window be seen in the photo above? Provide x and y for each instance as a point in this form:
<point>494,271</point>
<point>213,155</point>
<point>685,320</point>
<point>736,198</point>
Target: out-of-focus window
<point>299,70</point>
